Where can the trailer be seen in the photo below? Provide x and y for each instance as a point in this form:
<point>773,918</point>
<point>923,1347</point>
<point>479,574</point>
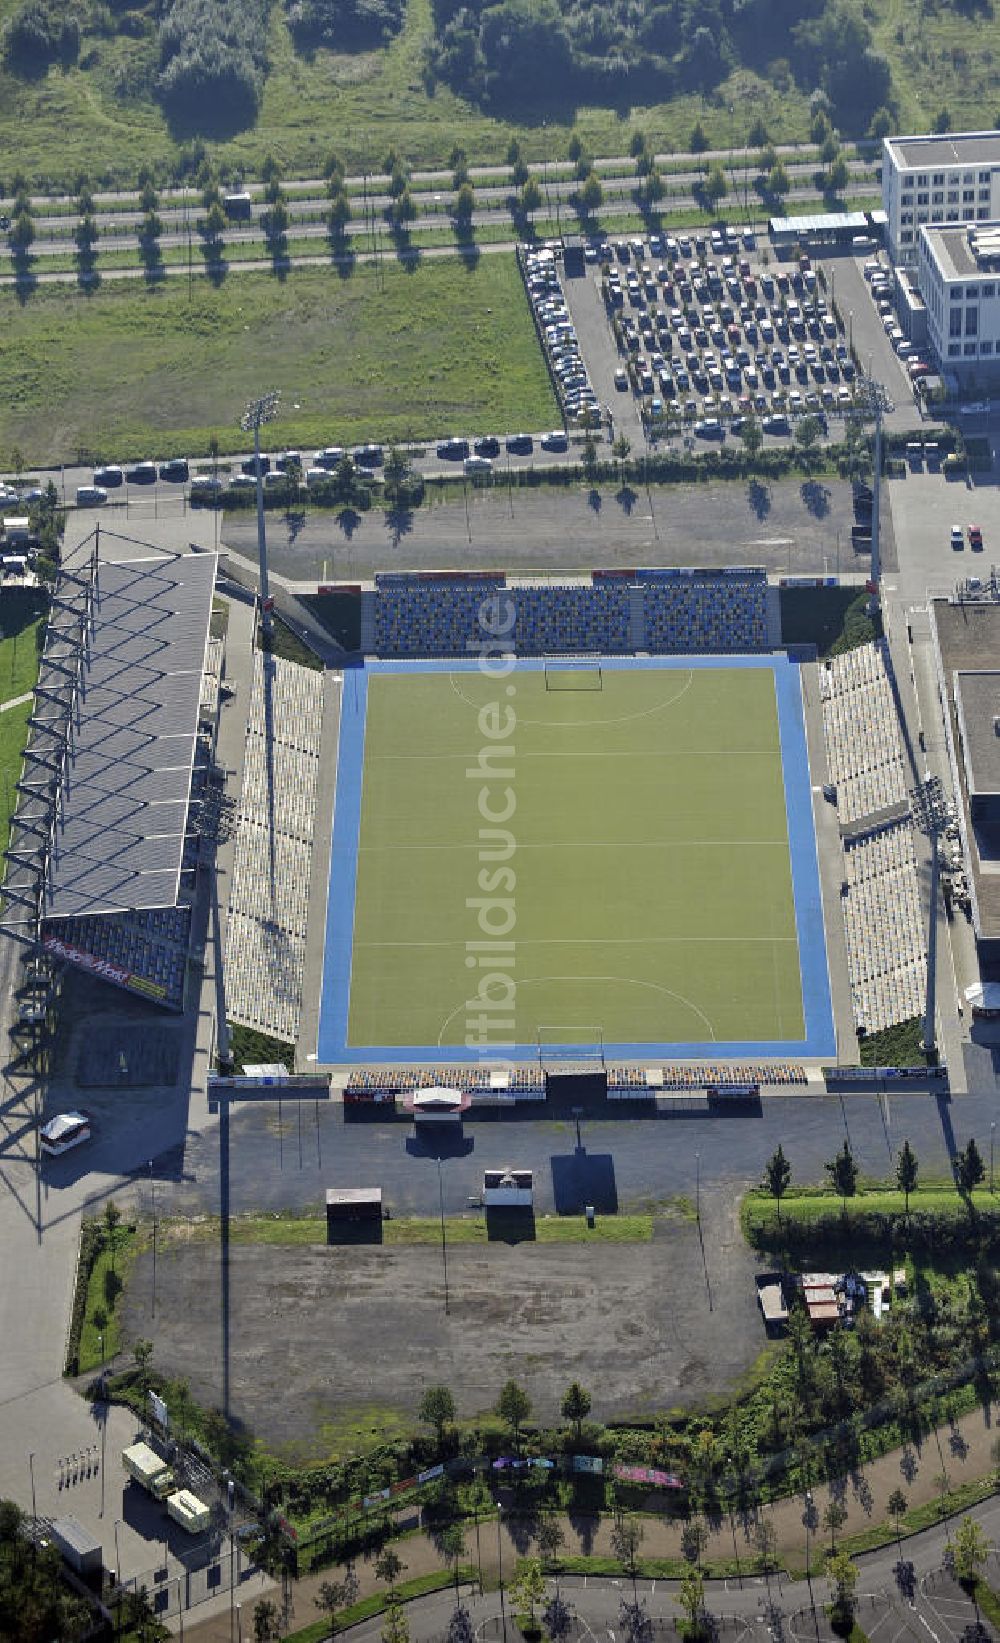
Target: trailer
<point>149,1470</point>
<point>186,1509</point>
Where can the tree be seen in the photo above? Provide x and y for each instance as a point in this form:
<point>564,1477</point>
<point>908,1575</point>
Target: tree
<point>807,431</point>
<point>881,124</point>
<point>906,1172</point>
<point>557,1617</point>
<point>112,1216</point>
<point>395,1627</point>
<point>334,1595</point>
<point>213,223</point>
<point>575,147</point>
<point>576,1405</point>
<point>527,1589</point>
<point>86,235</point>
<point>339,214</point>
<point>388,1568</point>
<point>842,1573</point>
<point>637,144</point>
<point>514,152</point>
<point>758,135</point>
<point>834,1518</point>
<point>451,1545</point>
<point>694,1539</point>
<point>148,198</point>
<point>591,193</point>
<point>838,176</point>
<point>403,208</point>
<point>651,189</point>
<point>460,1627</point>
<point>698,141</point>
<point>22,233</point>
<point>942,122</point>
<point>333,170</point>
<point>514,1407</point>
<point>778,182</point>
<point>531,196</point>
<point>715,188</point>
<point>896,1506</point>
<point>265,1621</point>
<point>971,1549</point>
<point>969,1168</point>
<point>626,1538</point>
<point>465,203</point>
<point>692,1599</point>
<point>620,450</point>
<point>777,1170</point>
<point>270,170</point>
<point>437,1408</point>
<point>549,1538</point>
<point>843,1173</point>
<point>752,435</point>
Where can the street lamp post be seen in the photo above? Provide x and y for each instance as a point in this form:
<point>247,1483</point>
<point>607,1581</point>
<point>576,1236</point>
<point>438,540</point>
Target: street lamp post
<point>444,1240</point>
<point>876,402</point>
<point>993,1131</point>
<point>503,1607</point>
<point>152,1189</point>
<point>257,413</point>
<point>930,812</point>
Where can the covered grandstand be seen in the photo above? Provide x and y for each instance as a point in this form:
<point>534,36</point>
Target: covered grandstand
<point>661,612</point>
<point>104,842</point>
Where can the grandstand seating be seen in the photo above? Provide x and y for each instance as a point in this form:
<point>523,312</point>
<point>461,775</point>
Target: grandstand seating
<point>883,924</point>
<point>682,612</point>
<point>530,1082</point>
<point>705,614</point>
<point>886,939</point>
<point>269,897</point>
<point>150,949</point>
<point>864,751</point>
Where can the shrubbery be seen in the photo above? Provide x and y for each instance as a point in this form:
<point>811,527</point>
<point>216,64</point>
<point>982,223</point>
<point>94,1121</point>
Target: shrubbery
<point>212,60</point>
<point>42,32</point>
<point>345,25</point>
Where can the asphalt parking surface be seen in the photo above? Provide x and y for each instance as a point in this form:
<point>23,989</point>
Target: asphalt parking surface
<point>790,526</point>
<point>646,1325</point>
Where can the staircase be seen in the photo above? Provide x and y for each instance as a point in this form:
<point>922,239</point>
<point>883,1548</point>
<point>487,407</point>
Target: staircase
<point>367,623</point>
<point>636,619</point>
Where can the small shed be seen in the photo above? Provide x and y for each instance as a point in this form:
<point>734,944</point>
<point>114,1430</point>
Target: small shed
<point>437,1105</point>
<point>508,1189</point>
<point>349,1206</point>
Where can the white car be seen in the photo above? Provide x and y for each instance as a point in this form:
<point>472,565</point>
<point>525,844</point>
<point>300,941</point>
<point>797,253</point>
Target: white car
<point>63,1132</point>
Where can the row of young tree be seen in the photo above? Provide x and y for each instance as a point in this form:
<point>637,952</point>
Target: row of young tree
<point>968,1168</point>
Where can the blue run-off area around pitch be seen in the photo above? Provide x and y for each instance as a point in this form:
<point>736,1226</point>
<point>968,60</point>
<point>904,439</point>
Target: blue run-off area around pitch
<point>820,1040</point>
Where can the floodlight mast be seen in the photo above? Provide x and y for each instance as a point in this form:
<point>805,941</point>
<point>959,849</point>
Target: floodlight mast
<point>875,400</point>
<point>256,414</point>
<point>930,813</point>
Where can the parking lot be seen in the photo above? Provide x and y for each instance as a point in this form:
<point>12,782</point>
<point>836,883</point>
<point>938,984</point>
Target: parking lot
<point>702,332</point>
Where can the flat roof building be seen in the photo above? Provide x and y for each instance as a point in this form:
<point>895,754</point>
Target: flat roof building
<point>929,180</point>
<point>959,277</point>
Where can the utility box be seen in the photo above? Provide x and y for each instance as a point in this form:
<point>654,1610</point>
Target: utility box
<point>352,1209</point>
<point>77,1546</point>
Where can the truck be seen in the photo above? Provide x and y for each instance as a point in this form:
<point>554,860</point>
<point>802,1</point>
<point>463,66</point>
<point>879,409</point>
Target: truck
<point>149,1470</point>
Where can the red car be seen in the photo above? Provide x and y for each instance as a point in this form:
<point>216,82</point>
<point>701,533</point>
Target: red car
<point>975,539</point>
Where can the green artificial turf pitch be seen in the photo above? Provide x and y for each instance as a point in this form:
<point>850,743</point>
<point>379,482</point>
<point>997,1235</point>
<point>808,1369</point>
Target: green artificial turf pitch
<point>653,894</point>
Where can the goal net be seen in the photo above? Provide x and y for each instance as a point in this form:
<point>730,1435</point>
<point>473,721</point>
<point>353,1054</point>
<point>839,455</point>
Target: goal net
<point>565,1048</point>
<point>573,673</point>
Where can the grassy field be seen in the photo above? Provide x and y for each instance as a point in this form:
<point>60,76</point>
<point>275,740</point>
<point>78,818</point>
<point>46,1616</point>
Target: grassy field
<point>22,623</point>
<point>648,902</point>
<point>408,1230</point>
<point>128,370</point>
<point>100,118</point>
<point>806,1204</point>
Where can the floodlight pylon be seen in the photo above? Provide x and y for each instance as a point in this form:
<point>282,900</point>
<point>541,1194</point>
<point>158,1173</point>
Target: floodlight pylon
<point>253,419</point>
<point>930,812</point>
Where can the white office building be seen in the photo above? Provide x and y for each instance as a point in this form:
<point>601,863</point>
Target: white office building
<point>959,274</point>
<point>953,178</point>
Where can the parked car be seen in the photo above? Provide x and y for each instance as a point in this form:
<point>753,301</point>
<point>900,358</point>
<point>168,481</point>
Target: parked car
<point>453,450</point>
<point>975,538</point>
<point>478,465</point>
<point>206,485</point>
<point>176,470</point>
<point>141,473</point>
<point>555,441</point>
<point>489,445</point>
<point>90,496</point>
<point>369,456</point>
<point>63,1132</point>
<point>109,477</point>
<point>957,536</point>
<point>520,444</point>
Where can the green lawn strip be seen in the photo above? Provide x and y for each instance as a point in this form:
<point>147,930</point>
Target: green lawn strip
<point>107,1280</point>
<point>415,1230</point>
<point>420,1586</point>
<point>408,354</point>
<point>912,1522</point>
<point>655,1568</point>
<point>988,1602</point>
<point>759,1208</point>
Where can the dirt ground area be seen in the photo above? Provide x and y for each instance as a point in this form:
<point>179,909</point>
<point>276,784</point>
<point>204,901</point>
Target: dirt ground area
<point>645,1326</point>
